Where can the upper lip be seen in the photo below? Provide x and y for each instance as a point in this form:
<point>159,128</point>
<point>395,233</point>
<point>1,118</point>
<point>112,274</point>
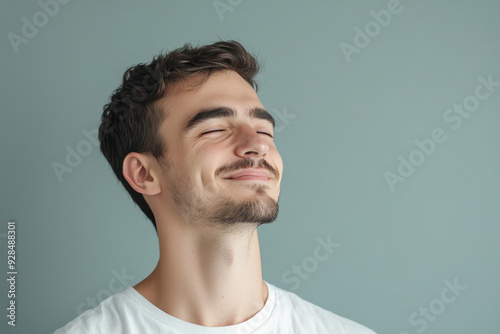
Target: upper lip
<point>249,172</point>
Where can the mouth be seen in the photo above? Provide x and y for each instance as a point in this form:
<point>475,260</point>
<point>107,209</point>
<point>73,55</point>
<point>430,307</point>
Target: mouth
<point>249,178</point>
<point>249,175</point>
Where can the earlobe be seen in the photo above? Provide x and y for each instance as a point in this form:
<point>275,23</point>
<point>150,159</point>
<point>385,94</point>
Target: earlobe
<point>137,171</point>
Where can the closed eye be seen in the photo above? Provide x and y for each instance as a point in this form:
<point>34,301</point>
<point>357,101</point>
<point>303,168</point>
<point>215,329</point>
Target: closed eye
<point>266,134</point>
<point>224,130</point>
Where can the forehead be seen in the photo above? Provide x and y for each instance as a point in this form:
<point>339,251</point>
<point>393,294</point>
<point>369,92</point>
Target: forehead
<point>222,88</point>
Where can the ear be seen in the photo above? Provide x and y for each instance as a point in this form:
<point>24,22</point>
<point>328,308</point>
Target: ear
<point>137,170</point>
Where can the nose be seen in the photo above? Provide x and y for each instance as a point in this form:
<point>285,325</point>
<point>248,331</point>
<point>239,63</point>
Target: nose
<point>250,143</point>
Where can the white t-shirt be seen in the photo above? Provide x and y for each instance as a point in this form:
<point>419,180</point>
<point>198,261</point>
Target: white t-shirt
<point>128,312</point>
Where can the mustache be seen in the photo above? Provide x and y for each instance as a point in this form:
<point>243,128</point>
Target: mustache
<point>248,163</point>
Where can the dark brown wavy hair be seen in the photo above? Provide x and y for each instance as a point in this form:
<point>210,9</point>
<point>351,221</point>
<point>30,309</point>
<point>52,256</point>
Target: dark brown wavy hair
<point>131,119</point>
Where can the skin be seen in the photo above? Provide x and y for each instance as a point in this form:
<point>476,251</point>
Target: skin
<point>209,271</point>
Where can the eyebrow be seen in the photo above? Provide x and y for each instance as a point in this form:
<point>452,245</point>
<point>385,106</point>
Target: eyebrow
<point>220,112</point>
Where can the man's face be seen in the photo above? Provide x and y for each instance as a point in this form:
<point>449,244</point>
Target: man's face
<point>196,182</point>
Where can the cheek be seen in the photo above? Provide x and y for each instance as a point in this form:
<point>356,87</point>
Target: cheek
<point>279,166</point>
<point>211,153</point>
<point>277,158</point>
<point>204,165</point>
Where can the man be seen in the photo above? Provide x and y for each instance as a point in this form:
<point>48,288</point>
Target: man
<point>191,142</point>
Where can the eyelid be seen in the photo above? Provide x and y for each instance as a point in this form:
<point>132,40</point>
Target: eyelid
<point>215,130</point>
<point>218,130</point>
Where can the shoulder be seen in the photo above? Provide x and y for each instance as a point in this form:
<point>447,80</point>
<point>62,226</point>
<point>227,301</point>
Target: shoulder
<point>107,317</point>
<point>315,316</point>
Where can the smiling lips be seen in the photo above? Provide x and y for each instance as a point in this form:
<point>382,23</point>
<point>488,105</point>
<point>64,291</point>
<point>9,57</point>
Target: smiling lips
<point>250,174</point>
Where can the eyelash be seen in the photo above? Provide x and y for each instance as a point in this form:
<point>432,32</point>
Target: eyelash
<point>218,130</point>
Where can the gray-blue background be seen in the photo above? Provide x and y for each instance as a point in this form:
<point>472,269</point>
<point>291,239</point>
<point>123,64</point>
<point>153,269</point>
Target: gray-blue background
<point>352,119</point>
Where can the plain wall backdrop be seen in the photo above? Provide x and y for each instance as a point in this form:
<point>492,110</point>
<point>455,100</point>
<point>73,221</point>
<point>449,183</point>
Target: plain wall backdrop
<point>387,122</point>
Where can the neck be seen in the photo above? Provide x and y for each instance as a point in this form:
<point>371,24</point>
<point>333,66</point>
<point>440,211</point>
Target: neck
<point>207,277</point>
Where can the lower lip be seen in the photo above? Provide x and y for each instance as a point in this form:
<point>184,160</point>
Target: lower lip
<point>250,178</point>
